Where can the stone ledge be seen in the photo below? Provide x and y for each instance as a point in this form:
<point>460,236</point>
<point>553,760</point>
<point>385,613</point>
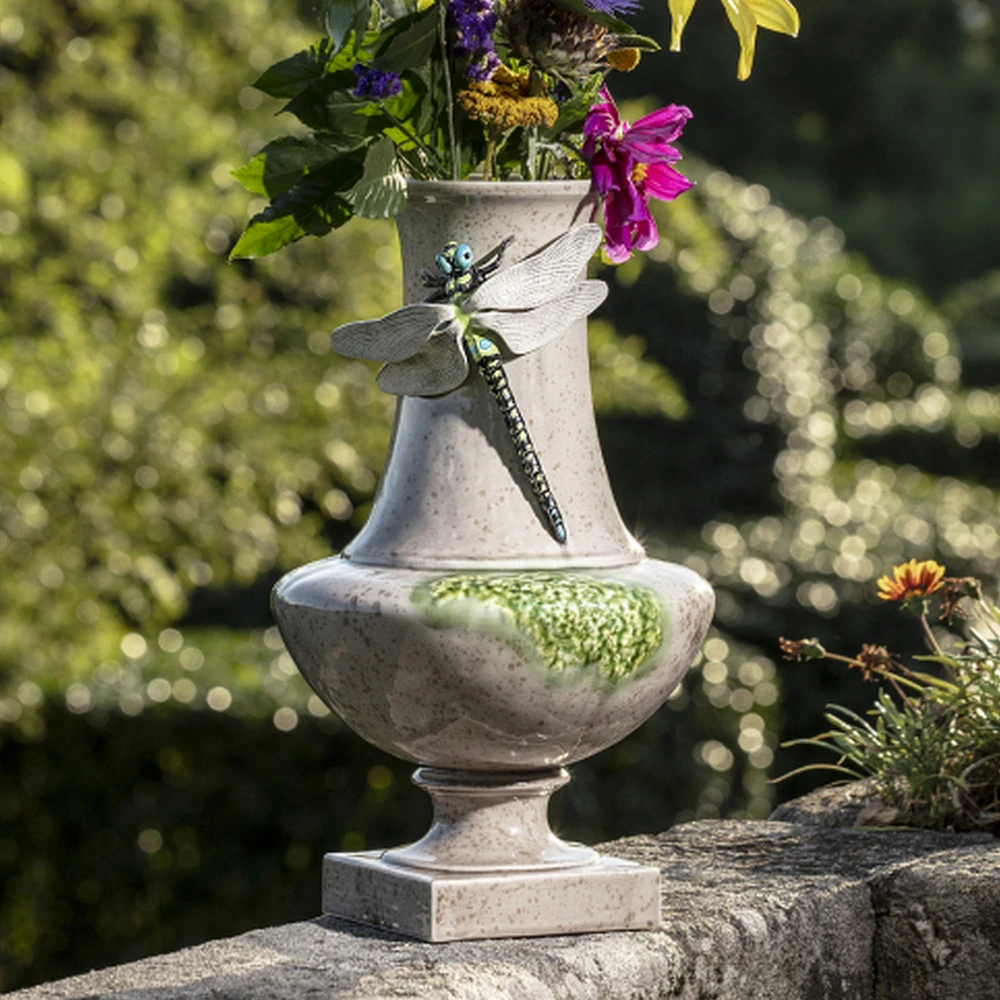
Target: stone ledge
<point>752,911</point>
<point>855,803</point>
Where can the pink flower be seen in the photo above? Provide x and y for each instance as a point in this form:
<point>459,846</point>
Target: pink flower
<point>629,165</point>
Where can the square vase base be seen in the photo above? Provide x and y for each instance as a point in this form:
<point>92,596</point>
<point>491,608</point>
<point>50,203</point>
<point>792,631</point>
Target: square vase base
<point>609,894</point>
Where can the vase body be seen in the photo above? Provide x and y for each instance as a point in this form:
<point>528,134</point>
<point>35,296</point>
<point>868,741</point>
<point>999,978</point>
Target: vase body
<point>456,632</point>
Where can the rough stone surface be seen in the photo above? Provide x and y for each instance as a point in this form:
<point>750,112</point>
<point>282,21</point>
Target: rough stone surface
<point>938,927</point>
<point>854,804</point>
<point>752,911</point>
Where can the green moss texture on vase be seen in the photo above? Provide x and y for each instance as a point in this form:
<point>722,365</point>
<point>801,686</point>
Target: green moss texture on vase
<point>567,622</point>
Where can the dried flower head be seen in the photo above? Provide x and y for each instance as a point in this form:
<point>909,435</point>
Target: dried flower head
<point>874,658</point>
<point>801,649</point>
<point>911,580</point>
<point>504,101</point>
<point>954,590</point>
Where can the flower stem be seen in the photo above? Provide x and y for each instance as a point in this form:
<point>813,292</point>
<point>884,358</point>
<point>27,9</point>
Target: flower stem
<point>417,162</point>
<point>421,146</point>
<point>894,681</point>
<point>491,146</point>
<point>452,144</point>
<point>884,672</point>
<point>575,150</point>
<point>929,632</point>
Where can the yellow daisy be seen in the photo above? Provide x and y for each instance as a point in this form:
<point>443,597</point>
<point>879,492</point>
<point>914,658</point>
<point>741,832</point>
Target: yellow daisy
<point>912,579</point>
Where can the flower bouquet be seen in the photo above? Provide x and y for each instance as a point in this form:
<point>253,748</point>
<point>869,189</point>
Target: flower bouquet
<point>453,89</point>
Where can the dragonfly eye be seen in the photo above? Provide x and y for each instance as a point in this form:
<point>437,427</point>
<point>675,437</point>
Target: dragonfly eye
<point>463,256</point>
<point>443,264</point>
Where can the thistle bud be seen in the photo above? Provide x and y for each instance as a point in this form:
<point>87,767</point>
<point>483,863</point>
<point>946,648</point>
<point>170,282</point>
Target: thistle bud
<point>558,41</point>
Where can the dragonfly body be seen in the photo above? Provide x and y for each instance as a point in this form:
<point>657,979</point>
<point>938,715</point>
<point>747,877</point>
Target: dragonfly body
<point>459,275</point>
<point>472,313</point>
<point>486,355</point>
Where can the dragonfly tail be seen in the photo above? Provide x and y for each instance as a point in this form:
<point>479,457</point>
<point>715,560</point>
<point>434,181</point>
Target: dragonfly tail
<point>496,379</point>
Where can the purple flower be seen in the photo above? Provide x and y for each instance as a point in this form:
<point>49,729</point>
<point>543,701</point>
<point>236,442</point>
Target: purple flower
<point>616,8</point>
<point>473,22</point>
<point>630,164</point>
<point>375,84</point>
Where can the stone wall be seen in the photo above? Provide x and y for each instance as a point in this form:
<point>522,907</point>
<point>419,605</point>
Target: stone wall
<point>751,911</point>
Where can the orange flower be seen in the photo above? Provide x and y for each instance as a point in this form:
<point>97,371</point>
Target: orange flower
<point>912,579</point>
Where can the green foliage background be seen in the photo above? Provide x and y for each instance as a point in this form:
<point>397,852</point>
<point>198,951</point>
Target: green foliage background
<point>174,434</point>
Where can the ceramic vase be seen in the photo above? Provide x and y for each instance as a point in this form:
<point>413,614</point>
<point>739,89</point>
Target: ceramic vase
<point>456,632</point>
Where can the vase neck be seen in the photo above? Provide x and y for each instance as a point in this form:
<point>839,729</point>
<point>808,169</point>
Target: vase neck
<point>453,494</point>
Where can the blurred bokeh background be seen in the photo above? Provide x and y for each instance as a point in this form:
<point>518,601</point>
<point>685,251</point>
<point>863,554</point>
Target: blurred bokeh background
<point>796,389</point>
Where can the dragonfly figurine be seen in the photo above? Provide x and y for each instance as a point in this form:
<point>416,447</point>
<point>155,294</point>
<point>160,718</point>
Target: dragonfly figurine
<point>477,312</point>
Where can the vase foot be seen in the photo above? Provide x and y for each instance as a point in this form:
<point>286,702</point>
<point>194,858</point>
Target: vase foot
<point>490,822</point>
<point>607,894</point>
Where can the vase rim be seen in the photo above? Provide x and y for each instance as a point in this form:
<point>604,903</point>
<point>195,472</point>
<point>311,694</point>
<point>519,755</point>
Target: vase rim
<point>496,189</point>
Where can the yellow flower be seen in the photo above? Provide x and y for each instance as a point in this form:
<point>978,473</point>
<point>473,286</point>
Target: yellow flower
<point>745,16</point>
<point>912,579</point>
<point>504,101</point>
<point>624,60</point>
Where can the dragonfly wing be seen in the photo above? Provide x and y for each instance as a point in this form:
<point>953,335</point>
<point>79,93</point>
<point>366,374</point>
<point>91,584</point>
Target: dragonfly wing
<point>438,367</point>
<point>394,337</point>
<point>540,278</point>
<point>529,329</point>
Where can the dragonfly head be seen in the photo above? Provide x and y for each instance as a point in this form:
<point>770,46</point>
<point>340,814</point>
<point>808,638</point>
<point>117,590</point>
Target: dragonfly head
<point>455,258</point>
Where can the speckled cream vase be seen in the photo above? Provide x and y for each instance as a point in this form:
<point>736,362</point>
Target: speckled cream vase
<point>456,632</point>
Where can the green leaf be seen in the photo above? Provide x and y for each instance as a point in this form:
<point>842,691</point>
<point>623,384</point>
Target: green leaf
<point>265,234</point>
<point>381,192</point>
<point>616,24</point>
<point>311,208</point>
<point>643,42</point>
<point>292,75</point>
<point>328,105</point>
<point>574,110</point>
<point>507,155</point>
<point>341,17</point>
<point>854,775</point>
<point>282,163</point>
<point>394,9</point>
<point>410,43</point>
